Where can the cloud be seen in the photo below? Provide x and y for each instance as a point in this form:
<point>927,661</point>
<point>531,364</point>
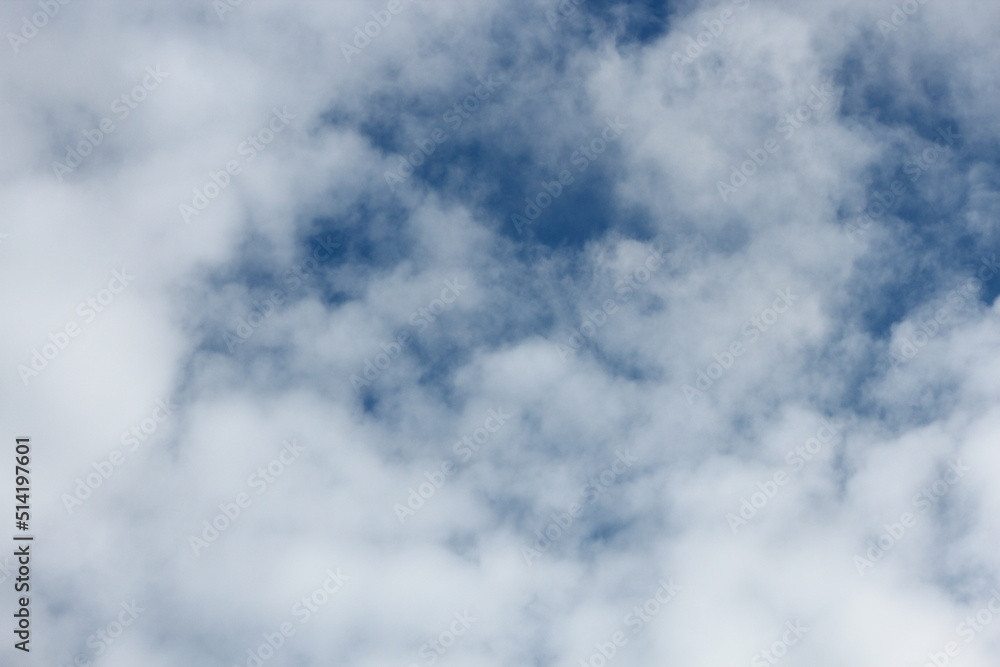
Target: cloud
<point>770,288</point>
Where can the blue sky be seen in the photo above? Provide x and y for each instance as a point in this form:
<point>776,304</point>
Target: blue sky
<point>487,333</point>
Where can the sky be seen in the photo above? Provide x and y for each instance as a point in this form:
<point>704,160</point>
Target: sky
<point>526,333</point>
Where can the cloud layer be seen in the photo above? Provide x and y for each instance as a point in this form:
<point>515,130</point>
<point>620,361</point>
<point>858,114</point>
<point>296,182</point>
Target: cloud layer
<point>482,333</point>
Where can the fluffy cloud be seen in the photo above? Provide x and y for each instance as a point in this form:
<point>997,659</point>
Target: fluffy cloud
<point>672,340</point>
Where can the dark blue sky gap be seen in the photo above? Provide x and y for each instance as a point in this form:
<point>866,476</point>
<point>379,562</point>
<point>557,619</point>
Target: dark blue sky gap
<point>492,172</point>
